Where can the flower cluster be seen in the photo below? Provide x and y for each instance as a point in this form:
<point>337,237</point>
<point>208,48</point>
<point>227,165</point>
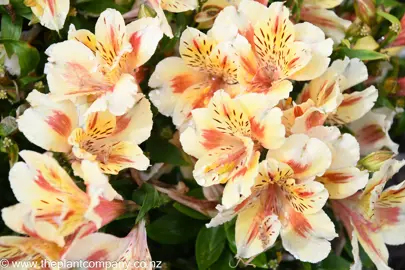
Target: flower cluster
<point>96,115</point>
<point>280,158</point>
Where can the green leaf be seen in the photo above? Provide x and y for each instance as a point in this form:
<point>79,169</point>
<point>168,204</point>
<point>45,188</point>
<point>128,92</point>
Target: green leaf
<point>11,29</point>
<point>306,266</point>
<point>230,234</point>
<point>189,212</point>
<point>334,262</point>
<point>209,246</point>
<point>11,148</point>
<point>8,126</point>
<point>161,150</point>
<point>21,9</point>
<point>388,3</point>
<point>261,261</point>
<point>173,228</point>
<point>28,56</point>
<point>364,55</point>
<point>391,18</point>
<point>30,79</point>
<point>225,262</point>
<point>151,199</point>
<point>400,127</point>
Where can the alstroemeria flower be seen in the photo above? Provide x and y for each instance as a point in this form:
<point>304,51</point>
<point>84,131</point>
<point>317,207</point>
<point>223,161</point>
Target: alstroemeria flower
<point>317,13</point>
<point>227,139</point>
<point>277,50</point>
<point>342,179</point>
<point>51,13</point>
<point>211,8</point>
<point>183,84</point>
<point>111,141</point>
<point>375,217</point>
<point>372,131</point>
<point>286,200</point>
<point>52,207</point>
<point>103,66</point>
<point>131,252</point>
<point>28,250</point>
<point>327,91</point>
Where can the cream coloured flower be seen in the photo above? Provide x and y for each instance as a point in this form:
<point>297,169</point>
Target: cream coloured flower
<point>277,50</point>
<point>375,217</point>
<point>130,252</point>
<point>286,201</point>
<point>227,139</point>
<point>111,141</point>
<point>238,57</point>
<point>319,13</point>
<point>51,13</point>
<point>342,179</point>
<point>211,8</point>
<point>103,66</point>
<point>189,82</point>
<point>327,92</point>
<point>52,207</point>
<point>372,130</point>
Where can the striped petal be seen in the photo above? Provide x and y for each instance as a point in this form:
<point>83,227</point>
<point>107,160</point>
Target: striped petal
<point>306,233</point>
<point>342,183</point>
<point>144,35</point>
<point>101,247</point>
<point>371,131</point>
<point>47,123</point>
<point>75,75</point>
<point>308,157</point>
<point>51,13</point>
<point>355,105</point>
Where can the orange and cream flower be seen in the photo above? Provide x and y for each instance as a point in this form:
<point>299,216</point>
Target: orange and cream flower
<point>130,252</point>
<point>286,201</point>
<point>327,92</point>
<point>342,179</point>
<point>103,66</point>
<point>51,13</point>
<point>319,13</point>
<point>277,51</point>
<point>372,130</point>
<point>52,207</point>
<point>375,217</point>
<point>189,82</point>
<point>227,139</point>
<point>111,141</point>
<point>211,8</point>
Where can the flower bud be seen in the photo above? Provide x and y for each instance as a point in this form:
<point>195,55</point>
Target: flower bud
<point>375,160</point>
<point>365,10</point>
<point>145,11</point>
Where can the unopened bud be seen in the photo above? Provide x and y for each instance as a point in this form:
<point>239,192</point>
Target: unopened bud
<point>145,11</point>
<point>375,160</point>
<point>365,10</point>
<point>366,43</point>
